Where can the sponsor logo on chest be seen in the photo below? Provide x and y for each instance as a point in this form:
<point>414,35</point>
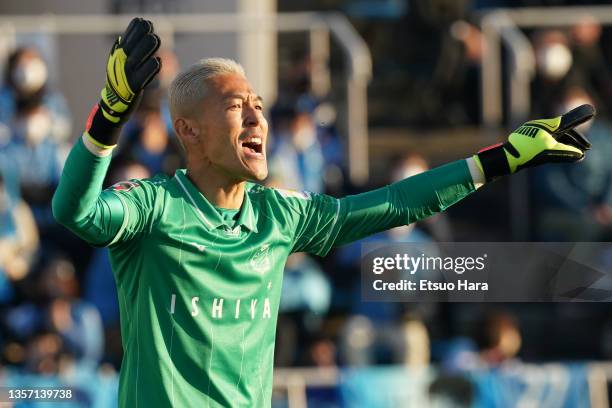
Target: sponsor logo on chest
<point>221,308</point>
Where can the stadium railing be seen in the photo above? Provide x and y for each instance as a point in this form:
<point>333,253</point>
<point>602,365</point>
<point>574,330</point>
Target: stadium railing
<point>548,384</point>
<point>572,384</point>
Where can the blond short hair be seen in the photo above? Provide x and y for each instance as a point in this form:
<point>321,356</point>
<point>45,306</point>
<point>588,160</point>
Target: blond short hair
<point>189,87</point>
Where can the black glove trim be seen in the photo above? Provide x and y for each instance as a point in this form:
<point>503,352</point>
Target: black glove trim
<point>494,162</point>
<point>552,156</point>
<point>101,129</point>
<point>576,117</point>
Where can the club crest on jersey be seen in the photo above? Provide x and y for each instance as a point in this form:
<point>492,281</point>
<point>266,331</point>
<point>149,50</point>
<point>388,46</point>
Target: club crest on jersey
<point>260,260</point>
<point>304,195</point>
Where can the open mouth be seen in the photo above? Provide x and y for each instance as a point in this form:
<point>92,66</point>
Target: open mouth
<point>253,145</point>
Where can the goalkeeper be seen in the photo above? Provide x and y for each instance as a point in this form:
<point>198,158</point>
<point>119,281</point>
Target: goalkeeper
<point>198,257</point>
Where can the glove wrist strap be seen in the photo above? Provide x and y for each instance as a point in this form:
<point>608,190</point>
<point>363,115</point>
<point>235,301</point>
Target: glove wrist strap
<point>494,162</point>
<point>103,131</point>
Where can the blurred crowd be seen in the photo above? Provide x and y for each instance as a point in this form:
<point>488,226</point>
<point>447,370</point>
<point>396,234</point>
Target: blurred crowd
<point>58,304</point>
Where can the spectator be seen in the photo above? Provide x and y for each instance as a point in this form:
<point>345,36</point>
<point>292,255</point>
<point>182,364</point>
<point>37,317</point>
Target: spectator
<point>18,241</point>
<point>76,321</point>
<point>416,344</point>
<point>498,338</point>
<point>333,149</point>
<point>357,338</point>
<point>590,66</point>
<point>296,156</point>
<point>26,86</point>
<point>322,354</point>
<point>32,161</point>
<point>305,287</point>
<point>44,353</point>
<point>147,138</point>
<point>553,63</point>
<point>305,300</point>
<point>365,341</point>
<point>575,203</point>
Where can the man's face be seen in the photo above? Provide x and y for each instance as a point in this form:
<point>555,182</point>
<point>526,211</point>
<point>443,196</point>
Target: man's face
<point>232,129</point>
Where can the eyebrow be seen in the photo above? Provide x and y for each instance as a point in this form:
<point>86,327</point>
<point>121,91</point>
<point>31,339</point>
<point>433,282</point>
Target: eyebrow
<point>242,96</point>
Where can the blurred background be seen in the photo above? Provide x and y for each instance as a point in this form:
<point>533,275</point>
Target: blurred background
<point>359,93</point>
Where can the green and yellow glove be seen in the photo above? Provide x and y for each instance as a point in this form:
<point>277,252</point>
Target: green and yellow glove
<point>537,142</point>
<point>130,67</point>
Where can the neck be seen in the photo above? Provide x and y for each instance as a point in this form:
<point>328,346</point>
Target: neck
<point>219,189</point>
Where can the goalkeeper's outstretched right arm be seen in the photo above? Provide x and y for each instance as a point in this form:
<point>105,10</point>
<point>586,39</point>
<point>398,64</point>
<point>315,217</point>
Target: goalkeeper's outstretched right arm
<point>78,203</point>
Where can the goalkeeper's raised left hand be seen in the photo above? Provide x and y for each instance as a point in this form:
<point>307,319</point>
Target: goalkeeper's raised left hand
<point>537,142</point>
<point>131,65</point>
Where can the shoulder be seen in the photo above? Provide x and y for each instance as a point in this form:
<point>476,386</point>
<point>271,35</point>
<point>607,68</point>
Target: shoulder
<point>280,200</point>
<point>149,197</point>
<point>258,191</point>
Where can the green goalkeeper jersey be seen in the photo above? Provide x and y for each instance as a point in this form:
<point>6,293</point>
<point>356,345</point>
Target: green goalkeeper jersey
<point>199,294</point>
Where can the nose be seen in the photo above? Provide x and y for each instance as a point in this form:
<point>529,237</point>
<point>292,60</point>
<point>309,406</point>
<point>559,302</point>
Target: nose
<point>251,115</point>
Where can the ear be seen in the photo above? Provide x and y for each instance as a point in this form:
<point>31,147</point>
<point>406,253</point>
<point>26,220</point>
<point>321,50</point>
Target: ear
<point>187,130</point>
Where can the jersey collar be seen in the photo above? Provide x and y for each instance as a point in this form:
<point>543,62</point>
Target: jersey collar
<point>207,212</point>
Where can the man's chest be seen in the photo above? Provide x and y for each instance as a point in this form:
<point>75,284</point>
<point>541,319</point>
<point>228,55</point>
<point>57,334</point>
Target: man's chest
<point>221,268</point>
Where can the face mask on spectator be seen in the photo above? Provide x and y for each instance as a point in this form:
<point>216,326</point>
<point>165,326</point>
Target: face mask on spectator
<point>35,127</point>
<point>30,76</point>
<point>554,60</point>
